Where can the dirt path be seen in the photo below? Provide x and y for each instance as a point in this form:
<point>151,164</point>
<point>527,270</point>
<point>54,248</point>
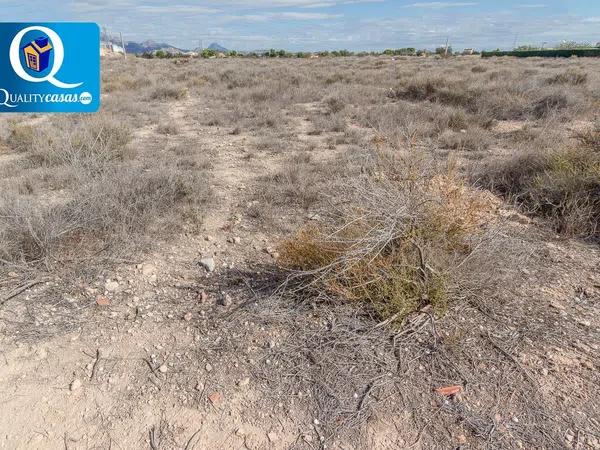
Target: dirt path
<point>150,367</point>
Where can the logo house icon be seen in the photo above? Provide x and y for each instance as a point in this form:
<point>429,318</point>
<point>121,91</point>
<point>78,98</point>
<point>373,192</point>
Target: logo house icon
<point>37,54</point>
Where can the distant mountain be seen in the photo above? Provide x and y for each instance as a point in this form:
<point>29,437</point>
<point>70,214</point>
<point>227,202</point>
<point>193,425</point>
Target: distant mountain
<point>150,46</point>
<point>153,46</point>
<point>217,48</point>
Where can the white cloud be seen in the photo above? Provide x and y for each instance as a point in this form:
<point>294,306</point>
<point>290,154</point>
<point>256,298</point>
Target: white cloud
<point>533,6</point>
<point>259,4</point>
<point>279,16</point>
<point>175,9</point>
<point>440,5</point>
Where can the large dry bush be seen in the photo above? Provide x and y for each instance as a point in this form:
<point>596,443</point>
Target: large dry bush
<point>400,244</point>
<point>561,184</point>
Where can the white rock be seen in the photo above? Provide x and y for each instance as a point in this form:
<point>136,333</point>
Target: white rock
<point>163,369</point>
<point>244,382</point>
<point>148,270</point>
<point>75,384</point>
<point>208,264</point>
<point>111,286</point>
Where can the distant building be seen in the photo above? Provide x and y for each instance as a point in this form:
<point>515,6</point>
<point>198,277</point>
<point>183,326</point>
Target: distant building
<point>107,48</point>
<point>468,51</point>
<point>117,48</point>
<point>37,54</point>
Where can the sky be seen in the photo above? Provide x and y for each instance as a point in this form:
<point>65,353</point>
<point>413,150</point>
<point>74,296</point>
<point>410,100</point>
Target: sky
<point>313,25</point>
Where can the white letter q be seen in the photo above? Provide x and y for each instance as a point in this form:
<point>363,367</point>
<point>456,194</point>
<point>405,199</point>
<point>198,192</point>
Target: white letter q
<point>59,56</point>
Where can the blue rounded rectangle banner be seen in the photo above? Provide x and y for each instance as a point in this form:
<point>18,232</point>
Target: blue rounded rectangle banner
<point>49,67</point>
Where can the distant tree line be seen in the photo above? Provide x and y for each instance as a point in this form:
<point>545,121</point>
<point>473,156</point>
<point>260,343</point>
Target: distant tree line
<point>566,45</point>
<point>280,53</point>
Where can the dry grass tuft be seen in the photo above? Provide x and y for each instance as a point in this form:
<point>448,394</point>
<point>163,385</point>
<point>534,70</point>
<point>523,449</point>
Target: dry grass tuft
<point>167,128</point>
<point>571,77</point>
<point>165,93</point>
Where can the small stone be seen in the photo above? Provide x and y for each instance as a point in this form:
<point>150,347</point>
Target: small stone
<point>188,316</point>
<point>199,386</point>
<point>101,300</point>
<point>75,384</point>
<point>461,439</point>
<point>203,297</point>
<point>545,372</point>
<point>208,264</point>
<point>163,369</point>
<point>111,286</point>
<point>240,432</point>
<point>244,382</point>
<point>272,436</point>
<point>208,367</point>
<point>13,274</point>
<point>225,300</point>
<point>237,240</point>
<point>208,238</point>
<point>215,398</point>
<point>307,438</point>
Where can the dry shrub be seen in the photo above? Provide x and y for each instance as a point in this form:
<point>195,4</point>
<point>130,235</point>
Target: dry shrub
<point>472,139</point>
<point>338,78</point>
<point>334,105</point>
<point>107,211</point>
<point>298,182</point>
<point>123,82</point>
<point>334,122</point>
<point>165,93</point>
<point>562,185</point>
<point>397,247</point>
<point>235,79</point>
<point>571,77</point>
<point>167,128</point>
<point>197,81</point>
<point>87,143</point>
<point>549,104</point>
<point>447,92</point>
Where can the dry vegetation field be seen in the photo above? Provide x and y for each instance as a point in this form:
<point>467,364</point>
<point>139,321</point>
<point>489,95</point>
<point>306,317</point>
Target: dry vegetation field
<point>296,253</point>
